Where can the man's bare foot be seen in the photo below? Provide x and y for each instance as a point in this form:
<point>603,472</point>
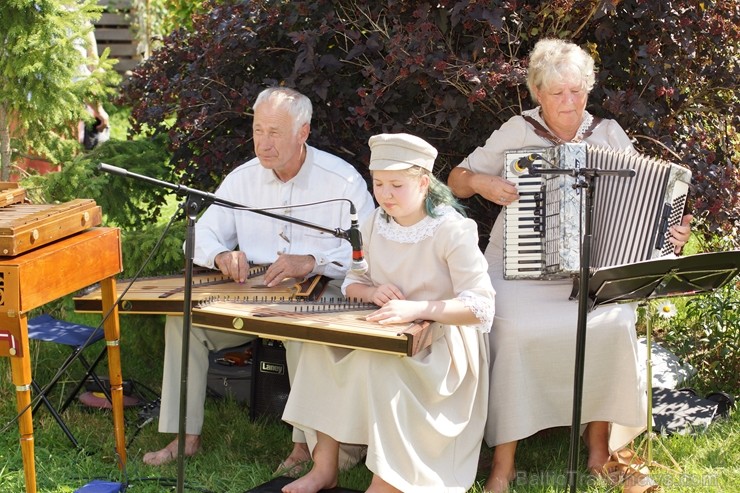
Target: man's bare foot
<point>169,453</point>
<point>316,480</point>
<point>296,462</point>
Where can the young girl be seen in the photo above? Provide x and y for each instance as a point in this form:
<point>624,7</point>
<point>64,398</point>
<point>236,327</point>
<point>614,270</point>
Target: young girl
<point>421,417</point>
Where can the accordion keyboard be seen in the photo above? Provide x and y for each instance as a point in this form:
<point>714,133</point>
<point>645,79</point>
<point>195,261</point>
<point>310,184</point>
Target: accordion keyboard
<point>525,227</point>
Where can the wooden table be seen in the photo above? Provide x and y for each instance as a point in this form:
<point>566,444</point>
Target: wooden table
<point>37,277</point>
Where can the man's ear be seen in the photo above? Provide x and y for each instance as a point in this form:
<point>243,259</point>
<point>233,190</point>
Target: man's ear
<point>304,132</point>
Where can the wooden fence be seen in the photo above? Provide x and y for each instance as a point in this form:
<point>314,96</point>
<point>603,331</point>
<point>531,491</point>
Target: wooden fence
<point>113,30</point>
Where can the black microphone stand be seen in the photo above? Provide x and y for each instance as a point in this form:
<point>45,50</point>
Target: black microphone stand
<point>589,185</point>
<point>195,202</point>
<point>585,180</point>
<point>193,205</point>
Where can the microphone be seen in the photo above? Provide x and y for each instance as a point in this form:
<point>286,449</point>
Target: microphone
<point>359,264</point>
<point>526,163</point>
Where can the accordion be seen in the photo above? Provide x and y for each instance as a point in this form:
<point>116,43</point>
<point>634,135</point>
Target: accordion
<point>631,216</point>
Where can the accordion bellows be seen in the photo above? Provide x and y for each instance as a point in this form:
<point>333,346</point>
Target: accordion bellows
<point>631,217</point>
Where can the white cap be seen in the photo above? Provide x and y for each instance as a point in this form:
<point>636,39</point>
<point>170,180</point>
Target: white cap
<point>400,151</point>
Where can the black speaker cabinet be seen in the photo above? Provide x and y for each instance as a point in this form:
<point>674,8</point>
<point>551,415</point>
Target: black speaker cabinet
<point>270,383</point>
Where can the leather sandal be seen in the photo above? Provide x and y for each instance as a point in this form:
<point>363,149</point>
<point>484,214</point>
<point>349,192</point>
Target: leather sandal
<point>629,458</point>
<point>630,479</point>
<point>295,471</point>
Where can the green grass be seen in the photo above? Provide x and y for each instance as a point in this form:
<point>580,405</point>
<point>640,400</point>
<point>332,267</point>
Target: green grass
<point>239,454</point>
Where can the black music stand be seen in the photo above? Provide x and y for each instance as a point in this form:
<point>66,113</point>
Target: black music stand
<point>662,278</point>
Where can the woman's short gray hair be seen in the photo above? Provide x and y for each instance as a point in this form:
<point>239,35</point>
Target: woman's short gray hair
<point>298,106</point>
<point>554,61</point>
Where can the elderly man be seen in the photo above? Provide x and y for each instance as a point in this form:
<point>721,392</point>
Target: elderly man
<point>285,173</point>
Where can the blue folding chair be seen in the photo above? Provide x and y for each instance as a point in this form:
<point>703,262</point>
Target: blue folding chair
<point>46,328</point>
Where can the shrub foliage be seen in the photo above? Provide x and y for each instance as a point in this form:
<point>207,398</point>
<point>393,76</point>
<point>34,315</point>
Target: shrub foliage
<point>706,334</point>
<point>451,72</point>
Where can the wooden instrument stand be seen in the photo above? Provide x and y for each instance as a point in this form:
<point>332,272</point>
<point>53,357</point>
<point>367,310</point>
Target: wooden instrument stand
<point>37,277</point>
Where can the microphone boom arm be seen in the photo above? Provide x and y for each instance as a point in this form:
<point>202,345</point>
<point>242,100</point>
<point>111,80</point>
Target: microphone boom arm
<point>575,172</point>
<point>527,162</point>
<point>210,198</point>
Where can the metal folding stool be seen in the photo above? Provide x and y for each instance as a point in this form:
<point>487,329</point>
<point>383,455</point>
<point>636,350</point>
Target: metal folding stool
<point>78,337</point>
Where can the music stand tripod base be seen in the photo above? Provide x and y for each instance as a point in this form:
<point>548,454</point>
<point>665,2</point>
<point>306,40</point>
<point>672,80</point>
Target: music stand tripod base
<point>644,282</point>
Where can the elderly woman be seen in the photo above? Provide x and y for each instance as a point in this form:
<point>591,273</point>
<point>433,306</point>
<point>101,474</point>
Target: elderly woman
<point>534,331</point>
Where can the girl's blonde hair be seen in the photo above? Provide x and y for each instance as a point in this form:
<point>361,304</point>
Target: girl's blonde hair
<point>437,194</point>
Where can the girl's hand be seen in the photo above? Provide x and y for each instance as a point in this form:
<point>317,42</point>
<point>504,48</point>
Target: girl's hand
<point>385,293</point>
<point>397,311</point>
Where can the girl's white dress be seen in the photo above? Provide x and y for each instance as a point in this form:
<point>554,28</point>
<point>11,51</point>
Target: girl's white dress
<point>421,417</point>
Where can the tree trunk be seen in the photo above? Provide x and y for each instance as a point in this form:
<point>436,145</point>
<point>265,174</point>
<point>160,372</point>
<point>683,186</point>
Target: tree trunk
<point>5,153</point>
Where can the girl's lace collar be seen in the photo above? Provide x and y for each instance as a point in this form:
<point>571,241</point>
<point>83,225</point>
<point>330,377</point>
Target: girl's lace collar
<point>391,230</point>
<point>588,119</point>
